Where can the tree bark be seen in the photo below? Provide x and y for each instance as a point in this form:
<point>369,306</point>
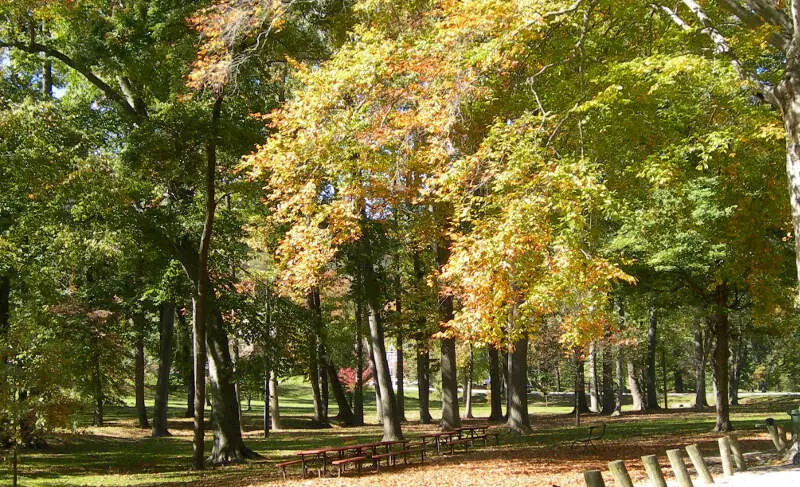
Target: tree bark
<point>504,382</point>
<point>608,400</point>
<point>700,356</point>
<point>97,385</point>
<point>620,396</point>
<point>228,446</point>
<point>313,302</point>
<point>635,387</point>
<point>166,329</point>
<point>424,381</point>
<point>495,395</point>
<point>650,376</point>
<point>388,404</point>
<point>141,410</point>
<point>399,375</point>
<point>468,386</point>
<point>423,353</point>
<point>274,403</point>
<point>324,391</point>
<point>358,392</point>
<point>721,356</point>
<point>580,383</point>
<point>518,418</point>
<point>184,361</point>
<point>557,373</point>
<point>265,418</point>
<point>594,400</point>
<point>373,372</point>
<point>345,416</point>
<point>450,417</point>
<point>391,421</point>
<point>738,355</point>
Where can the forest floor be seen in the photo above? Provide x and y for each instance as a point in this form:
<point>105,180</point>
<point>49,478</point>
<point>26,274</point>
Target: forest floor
<point>119,454</point>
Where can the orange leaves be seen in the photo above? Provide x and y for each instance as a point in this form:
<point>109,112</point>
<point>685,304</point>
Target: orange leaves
<point>225,26</point>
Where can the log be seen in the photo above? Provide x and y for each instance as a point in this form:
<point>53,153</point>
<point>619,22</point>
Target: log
<point>725,455</point>
<point>738,456</point>
<point>653,470</point>
<point>593,478</point>
<point>681,474</point>
<point>620,473</point>
<point>699,464</point>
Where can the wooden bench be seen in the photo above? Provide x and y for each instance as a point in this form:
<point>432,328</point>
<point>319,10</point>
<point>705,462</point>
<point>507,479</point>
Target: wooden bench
<point>341,464</point>
<point>591,436</point>
<point>283,466</point>
<point>459,441</point>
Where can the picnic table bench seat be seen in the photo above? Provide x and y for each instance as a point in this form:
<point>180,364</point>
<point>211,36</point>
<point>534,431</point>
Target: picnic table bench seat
<point>341,463</point>
<point>288,463</point>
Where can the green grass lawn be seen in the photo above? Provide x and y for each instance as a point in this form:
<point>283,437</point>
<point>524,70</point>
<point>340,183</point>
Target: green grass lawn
<point>121,455</point>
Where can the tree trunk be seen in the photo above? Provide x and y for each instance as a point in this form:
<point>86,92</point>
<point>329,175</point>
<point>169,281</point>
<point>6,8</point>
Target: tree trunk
<point>594,400</point>
<point>265,420</point>
<point>518,419</point>
<point>345,413</point>
<point>47,79</point>
<point>358,392</point>
<point>274,406</point>
<point>650,376</point>
<point>97,385</point>
<point>323,380</point>
<point>700,356</point>
<point>468,386</point>
<point>557,373</point>
<point>141,409</point>
<point>677,378</point>
<point>228,445</point>
<point>312,300</point>
<point>608,401</point>
<point>374,374</point>
<point>788,95</point>
<point>620,382</point>
<point>423,353</point>
<point>423,381</point>
<point>399,375</point>
<point>236,388</point>
<point>504,382</point>
<point>166,329</point>
<point>184,360</point>
<point>450,416</point>
<point>580,383</point>
<point>738,354</point>
<point>495,380</point>
<point>635,387</point>
<point>721,356</point>
<point>391,421</point>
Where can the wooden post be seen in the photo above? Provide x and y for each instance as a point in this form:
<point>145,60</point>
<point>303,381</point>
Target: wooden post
<point>776,439</point>
<point>725,455</point>
<point>593,478</point>
<point>653,470</point>
<point>738,457</point>
<point>620,473</point>
<point>681,474</point>
<point>699,464</point>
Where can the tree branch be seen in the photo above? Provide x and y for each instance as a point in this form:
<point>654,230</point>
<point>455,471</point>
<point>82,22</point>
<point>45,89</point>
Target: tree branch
<point>85,71</point>
<point>722,47</point>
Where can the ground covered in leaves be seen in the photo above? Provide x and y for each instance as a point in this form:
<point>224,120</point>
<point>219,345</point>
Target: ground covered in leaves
<point>119,454</point>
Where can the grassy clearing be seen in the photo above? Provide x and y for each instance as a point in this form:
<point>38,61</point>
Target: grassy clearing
<point>119,454</point>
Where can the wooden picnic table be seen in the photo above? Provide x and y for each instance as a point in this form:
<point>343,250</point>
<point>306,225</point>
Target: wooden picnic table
<point>321,454</point>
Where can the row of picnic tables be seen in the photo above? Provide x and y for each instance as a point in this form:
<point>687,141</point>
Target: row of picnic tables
<point>340,456</point>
